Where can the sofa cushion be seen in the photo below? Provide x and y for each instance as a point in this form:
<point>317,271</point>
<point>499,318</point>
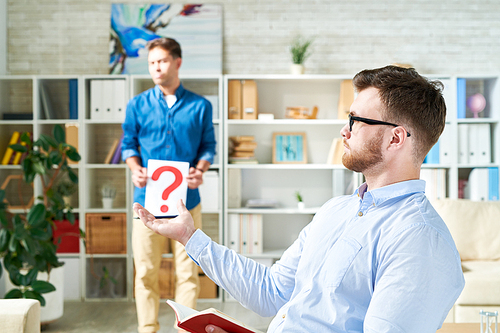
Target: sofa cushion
<point>482,283</point>
<point>474,226</point>
<point>19,315</point>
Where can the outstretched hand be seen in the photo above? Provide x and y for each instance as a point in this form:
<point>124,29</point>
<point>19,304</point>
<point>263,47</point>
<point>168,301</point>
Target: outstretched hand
<point>180,228</point>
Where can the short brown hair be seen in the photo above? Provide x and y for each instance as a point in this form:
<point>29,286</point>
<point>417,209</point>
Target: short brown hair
<point>411,101</point>
<point>168,44</point>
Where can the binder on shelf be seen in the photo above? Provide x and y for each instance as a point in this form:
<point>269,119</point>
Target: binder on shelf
<point>346,98</point>
<point>9,152</point>
<point>234,99</point>
<point>461,97</point>
<point>73,98</point>
<point>234,232</point>
<point>483,143</point>
<point>463,143</point>
<point>493,184</point>
<point>120,100</point>
<point>96,103</point>
<point>479,144</point>
<point>255,228</point>
<point>107,99</point>
<point>445,146</point>
<point>249,99</point>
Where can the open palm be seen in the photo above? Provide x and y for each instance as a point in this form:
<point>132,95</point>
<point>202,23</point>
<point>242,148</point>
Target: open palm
<point>180,228</point>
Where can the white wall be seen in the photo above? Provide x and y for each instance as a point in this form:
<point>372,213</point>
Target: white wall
<point>448,36</point>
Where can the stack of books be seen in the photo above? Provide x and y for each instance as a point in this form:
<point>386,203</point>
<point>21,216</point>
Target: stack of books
<point>242,149</point>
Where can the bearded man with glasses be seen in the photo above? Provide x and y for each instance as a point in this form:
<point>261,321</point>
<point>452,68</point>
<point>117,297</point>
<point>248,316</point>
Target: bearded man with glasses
<point>379,260</point>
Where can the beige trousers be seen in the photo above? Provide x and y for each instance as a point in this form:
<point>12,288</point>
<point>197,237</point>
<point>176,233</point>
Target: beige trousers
<point>147,247</point>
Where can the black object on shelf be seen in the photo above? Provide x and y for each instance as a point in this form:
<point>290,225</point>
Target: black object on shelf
<point>18,116</point>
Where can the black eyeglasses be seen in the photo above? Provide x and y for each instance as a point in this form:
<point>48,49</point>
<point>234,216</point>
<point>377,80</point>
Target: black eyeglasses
<point>370,122</point>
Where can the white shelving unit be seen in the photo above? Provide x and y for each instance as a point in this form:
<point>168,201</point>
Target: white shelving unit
<point>21,94</point>
<point>316,180</point>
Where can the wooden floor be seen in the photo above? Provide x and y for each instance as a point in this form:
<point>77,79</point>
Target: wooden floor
<point>107,317</point>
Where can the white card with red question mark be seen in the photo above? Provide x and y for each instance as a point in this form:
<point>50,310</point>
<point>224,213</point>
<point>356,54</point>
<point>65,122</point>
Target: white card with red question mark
<point>165,186</point>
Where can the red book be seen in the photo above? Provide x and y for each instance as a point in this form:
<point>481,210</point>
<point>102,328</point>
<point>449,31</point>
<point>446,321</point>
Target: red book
<point>196,321</point>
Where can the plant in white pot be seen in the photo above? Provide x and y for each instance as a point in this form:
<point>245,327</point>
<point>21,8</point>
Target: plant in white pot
<point>27,243</point>
<point>300,202</point>
<point>300,50</point>
<point>108,196</point>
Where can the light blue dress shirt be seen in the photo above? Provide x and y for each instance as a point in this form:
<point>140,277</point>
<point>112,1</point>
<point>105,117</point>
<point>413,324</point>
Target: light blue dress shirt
<point>382,261</point>
<point>183,132</point>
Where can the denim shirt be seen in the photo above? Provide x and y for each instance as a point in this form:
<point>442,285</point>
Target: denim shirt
<point>381,262</point>
<point>182,133</point>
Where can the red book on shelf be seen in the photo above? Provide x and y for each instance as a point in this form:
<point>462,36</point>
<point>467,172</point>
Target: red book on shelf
<point>196,321</point>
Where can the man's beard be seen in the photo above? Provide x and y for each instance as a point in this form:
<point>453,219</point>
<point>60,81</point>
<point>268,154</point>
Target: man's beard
<point>368,157</point>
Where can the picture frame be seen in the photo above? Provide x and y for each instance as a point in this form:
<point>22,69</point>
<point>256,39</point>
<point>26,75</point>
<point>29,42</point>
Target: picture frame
<point>290,147</point>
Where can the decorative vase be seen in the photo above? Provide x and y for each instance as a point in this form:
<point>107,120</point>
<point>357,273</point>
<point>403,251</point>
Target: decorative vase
<point>301,205</point>
<point>107,203</point>
<point>297,69</point>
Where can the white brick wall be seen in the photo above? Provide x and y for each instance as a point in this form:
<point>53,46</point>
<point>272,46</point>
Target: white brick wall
<point>451,36</point>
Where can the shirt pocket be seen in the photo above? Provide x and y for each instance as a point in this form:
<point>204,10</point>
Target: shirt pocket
<point>338,261</point>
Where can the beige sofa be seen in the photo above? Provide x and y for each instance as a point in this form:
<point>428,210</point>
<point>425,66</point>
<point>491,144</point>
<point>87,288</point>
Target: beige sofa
<point>19,316</point>
<point>475,227</point>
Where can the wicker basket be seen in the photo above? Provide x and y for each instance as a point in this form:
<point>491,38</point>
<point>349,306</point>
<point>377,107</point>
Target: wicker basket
<point>106,233</point>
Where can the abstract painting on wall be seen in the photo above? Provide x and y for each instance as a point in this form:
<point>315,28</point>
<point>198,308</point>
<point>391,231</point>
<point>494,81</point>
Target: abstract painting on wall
<point>197,28</point>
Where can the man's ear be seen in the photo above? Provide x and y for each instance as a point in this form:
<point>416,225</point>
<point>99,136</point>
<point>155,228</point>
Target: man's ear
<point>399,137</point>
<point>178,62</point>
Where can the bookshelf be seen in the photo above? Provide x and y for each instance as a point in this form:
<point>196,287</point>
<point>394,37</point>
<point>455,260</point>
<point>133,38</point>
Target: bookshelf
<point>316,180</point>
<point>36,104</point>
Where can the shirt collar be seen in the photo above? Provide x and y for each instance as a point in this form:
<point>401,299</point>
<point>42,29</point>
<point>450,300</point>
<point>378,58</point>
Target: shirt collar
<point>382,194</point>
<point>159,94</point>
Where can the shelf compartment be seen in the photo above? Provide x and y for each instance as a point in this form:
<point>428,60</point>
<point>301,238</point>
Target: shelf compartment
<point>96,178</point>
<point>58,98</point>
<point>16,98</point>
<point>107,289</point>
<point>101,139</point>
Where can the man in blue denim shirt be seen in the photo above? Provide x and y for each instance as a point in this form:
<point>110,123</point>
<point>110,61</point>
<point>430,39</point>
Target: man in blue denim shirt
<point>380,260</point>
<point>171,123</point>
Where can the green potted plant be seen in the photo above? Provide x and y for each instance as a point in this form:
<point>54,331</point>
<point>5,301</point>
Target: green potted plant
<point>300,202</point>
<point>27,243</point>
<point>300,52</point>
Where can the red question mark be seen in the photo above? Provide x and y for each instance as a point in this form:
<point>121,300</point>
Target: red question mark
<point>172,187</point>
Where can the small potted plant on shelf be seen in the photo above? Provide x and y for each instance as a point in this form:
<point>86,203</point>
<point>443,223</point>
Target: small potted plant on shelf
<point>27,243</point>
<point>299,50</point>
<point>108,196</point>
<point>300,202</point>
